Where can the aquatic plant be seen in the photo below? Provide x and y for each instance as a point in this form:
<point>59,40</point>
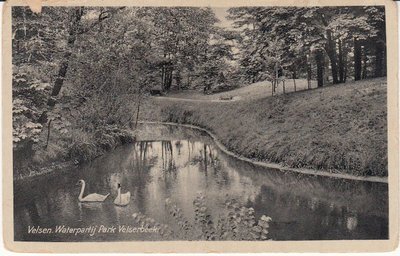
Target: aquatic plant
<point>185,227</point>
<point>163,230</point>
<point>203,218</point>
<point>236,223</point>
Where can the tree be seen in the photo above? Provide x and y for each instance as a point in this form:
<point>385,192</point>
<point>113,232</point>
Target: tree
<point>113,67</point>
<point>75,28</point>
<point>181,36</point>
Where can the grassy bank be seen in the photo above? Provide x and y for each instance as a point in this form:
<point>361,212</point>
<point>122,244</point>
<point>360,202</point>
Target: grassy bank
<point>340,128</point>
<point>67,150</point>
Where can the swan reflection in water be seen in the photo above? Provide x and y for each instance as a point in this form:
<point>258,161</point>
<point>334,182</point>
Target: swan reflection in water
<point>351,223</point>
<point>86,210</point>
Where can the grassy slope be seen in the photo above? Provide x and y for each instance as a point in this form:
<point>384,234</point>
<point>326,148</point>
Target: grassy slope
<point>253,91</point>
<point>339,128</point>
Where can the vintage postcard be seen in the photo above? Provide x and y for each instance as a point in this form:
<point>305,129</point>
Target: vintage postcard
<point>200,126</point>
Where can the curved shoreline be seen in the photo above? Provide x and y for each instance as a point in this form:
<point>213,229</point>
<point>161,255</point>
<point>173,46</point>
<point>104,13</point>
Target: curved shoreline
<point>279,167</point>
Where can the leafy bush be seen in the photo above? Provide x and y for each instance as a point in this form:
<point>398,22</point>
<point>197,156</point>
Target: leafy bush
<point>29,96</point>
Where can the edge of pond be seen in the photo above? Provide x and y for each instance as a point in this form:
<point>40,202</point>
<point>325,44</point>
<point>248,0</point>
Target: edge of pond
<point>275,166</point>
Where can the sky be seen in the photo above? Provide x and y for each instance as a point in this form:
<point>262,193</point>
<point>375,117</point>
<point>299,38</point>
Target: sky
<point>221,13</point>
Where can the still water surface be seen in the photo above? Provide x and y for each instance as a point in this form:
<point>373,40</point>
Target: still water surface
<point>177,163</point>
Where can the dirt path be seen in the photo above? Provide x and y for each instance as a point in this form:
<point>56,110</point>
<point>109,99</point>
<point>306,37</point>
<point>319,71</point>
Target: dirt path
<point>193,100</point>
<point>249,92</point>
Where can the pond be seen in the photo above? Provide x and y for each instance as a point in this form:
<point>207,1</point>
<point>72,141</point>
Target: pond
<point>178,163</point>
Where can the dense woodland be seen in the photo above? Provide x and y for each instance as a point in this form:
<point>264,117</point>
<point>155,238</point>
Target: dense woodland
<point>327,44</point>
<point>82,74</point>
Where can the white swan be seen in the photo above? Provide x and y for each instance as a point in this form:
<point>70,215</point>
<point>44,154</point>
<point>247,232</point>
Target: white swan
<point>91,197</point>
<point>122,199</point>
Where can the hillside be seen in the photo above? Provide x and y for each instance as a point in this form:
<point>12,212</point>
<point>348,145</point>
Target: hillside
<point>339,128</point>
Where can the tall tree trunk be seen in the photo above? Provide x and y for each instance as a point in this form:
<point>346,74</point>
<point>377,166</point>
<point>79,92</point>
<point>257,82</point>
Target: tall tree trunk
<point>357,59</point>
<point>72,34</point>
<point>309,75</point>
<point>345,63</point>
<point>188,80</point>
<point>319,59</point>
<point>164,72</point>
<point>379,57</point>
<point>364,63</point>
<point>384,61</point>
<point>62,72</point>
<point>137,113</point>
<point>73,31</point>
<point>341,62</point>
<point>331,51</point>
<point>276,77</point>
<point>163,78</point>
<point>178,79</point>
<point>294,79</point>
<point>168,81</point>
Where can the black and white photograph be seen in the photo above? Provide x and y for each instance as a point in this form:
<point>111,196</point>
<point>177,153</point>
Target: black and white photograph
<point>188,123</point>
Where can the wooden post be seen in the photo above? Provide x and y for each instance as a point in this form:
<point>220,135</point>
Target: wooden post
<point>272,88</point>
<point>48,134</point>
<point>294,82</point>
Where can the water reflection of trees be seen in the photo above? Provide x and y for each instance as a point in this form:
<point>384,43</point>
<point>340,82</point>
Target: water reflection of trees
<point>167,157</point>
<point>140,160</point>
<point>139,175</point>
<point>43,202</point>
<point>204,157</point>
<point>178,145</point>
<point>168,165</point>
<point>294,216</point>
<point>210,163</point>
<point>365,197</point>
